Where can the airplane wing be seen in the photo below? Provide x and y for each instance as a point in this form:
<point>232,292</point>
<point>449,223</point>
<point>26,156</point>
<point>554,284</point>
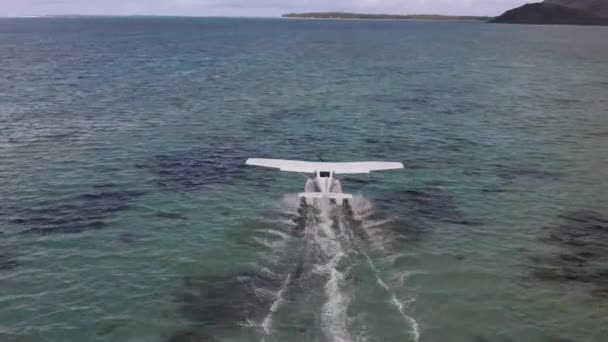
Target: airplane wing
<point>311,167</point>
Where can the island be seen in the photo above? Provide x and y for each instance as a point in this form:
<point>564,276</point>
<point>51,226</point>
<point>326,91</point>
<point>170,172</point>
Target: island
<point>595,7</point>
<point>554,12</point>
<point>364,16</point>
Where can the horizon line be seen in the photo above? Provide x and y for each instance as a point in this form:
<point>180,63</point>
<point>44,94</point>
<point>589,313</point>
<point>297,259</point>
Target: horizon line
<point>282,16</point>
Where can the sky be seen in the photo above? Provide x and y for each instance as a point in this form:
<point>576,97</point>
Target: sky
<point>253,8</point>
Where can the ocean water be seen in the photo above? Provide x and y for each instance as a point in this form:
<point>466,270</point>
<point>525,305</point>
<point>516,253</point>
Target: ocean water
<point>126,213</point>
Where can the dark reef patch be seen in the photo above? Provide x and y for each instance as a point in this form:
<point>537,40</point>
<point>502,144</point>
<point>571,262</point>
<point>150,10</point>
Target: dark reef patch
<point>226,302</point>
<point>420,99</point>
<point>405,230</point>
<point>459,144</point>
<point>190,336</point>
<point>216,163</point>
<point>504,175</point>
<point>110,328</point>
<point>260,121</point>
<point>582,239</point>
<point>172,216</point>
<point>77,213</point>
<point>128,238</point>
<point>480,338</point>
<point>8,263</point>
<point>513,172</point>
<point>559,339</point>
<point>431,202</point>
<point>493,190</point>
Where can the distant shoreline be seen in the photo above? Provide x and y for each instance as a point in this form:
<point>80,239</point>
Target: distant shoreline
<point>287,16</point>
<point>375,17</point>
<point>365,19</point>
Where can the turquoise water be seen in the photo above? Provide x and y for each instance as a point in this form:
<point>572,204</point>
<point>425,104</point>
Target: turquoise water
<point>127,213</point>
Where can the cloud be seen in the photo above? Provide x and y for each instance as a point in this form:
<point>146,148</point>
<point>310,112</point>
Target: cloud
<point>252,7</point>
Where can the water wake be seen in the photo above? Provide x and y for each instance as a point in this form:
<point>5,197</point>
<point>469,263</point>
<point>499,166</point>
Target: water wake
<point>415,327</point>
<point>367,208</point>
<point>334,309</point>
<point>317,247</point>
<point>276,304</point>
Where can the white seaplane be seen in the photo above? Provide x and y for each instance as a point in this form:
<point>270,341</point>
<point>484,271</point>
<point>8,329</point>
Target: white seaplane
<point>324,185</point>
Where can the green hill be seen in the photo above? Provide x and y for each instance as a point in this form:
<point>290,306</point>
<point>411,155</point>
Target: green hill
<point>548,14</point>
<point>595,7</point>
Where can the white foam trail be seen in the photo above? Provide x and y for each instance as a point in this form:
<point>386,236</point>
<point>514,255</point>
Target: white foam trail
<point>375,224</point>
<point>290,204</point>
<point>279,300</point>
<point>280,222</point>
<point>415,327</point>
<point>269,244</point>
<point>266,271</point>
<point>395,257</point>
<point>334,309</point>
<point>362,207</point>
<point>275,232</point>
<point>411,321</point>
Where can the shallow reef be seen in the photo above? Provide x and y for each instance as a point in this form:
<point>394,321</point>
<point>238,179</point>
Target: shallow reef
<point>8,263</point>
<point>77,213</point>
<point>582,239</point>
<point>216,163</point>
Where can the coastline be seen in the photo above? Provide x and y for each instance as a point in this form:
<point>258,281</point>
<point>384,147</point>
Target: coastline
<point>378,19</point>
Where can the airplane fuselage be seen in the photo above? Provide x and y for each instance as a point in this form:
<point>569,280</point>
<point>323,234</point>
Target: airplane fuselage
<point>324,181</point>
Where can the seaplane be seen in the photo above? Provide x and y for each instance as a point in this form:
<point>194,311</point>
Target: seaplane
<point>325,184</point>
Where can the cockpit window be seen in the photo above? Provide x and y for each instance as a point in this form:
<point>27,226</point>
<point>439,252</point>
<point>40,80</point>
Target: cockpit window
<point>324,174</point>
